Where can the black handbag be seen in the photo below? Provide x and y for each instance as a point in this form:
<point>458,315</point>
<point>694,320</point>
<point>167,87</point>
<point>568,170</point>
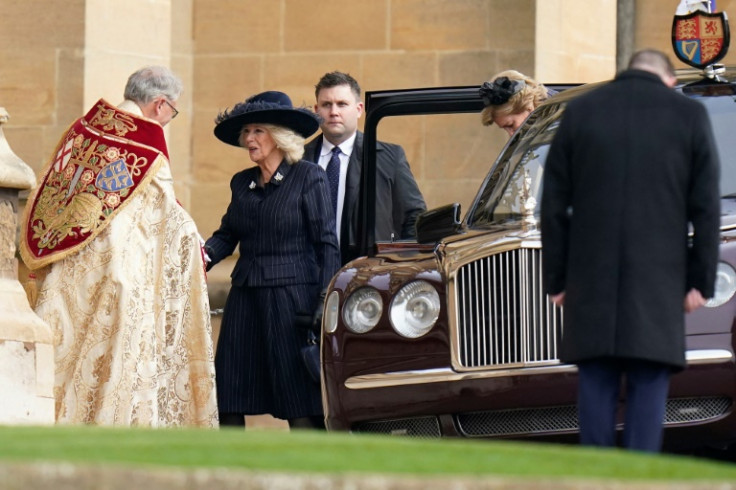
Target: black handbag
<point>310,355</point>
<point>310,352</point>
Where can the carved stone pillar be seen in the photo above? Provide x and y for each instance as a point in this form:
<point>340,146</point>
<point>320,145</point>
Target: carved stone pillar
<point>26,349</point>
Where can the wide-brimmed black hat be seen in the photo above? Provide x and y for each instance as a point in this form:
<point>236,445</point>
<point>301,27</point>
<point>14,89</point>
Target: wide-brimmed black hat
<point>270,107</point>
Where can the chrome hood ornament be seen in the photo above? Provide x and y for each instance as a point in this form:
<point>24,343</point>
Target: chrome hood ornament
<point>528,205</point>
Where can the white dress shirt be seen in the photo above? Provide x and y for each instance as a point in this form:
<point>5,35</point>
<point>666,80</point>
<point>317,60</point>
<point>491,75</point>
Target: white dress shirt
<point>346,149</point>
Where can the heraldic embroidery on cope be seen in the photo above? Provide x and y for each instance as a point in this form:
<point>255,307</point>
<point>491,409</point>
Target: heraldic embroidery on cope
<point>98,165</point>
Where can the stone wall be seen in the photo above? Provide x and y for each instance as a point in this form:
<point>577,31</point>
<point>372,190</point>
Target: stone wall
<point>383,44</point>
<point>58,57</point>
<point>42,75</point>
<point>575,41</point>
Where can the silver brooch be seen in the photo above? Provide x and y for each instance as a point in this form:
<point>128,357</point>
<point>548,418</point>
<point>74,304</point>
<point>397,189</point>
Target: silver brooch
<point>252,185</point>
<point>278,177</point>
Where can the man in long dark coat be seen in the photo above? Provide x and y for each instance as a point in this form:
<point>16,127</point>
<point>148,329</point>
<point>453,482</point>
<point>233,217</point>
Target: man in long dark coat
<point>632,165</point>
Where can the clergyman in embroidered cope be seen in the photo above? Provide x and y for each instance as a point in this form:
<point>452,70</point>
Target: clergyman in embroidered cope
<point>121,279</point>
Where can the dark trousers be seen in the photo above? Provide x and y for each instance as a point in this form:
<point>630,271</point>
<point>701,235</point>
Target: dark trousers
<point>599,386</point>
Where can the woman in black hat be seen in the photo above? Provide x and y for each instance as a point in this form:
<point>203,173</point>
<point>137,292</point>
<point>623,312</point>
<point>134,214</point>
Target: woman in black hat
<point>509,97</point>
<point>281,216</point>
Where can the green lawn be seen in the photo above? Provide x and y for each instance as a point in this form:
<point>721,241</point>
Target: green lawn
<point>343,453</point>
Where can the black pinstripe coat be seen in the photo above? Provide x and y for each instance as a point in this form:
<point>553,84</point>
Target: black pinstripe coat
<point>288,254</point>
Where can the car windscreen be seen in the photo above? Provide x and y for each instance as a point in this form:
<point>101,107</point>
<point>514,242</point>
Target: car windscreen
<point>514,184</point>
<point>515,181</point>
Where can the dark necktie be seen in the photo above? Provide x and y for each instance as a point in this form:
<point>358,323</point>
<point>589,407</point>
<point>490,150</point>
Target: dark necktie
<point>333,176</point>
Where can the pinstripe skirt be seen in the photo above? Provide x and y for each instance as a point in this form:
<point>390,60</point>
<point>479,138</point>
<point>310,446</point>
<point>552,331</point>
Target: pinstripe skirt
<point>258,363</point>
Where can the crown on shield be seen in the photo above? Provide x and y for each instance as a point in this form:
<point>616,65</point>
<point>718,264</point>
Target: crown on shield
<point>700,38</point>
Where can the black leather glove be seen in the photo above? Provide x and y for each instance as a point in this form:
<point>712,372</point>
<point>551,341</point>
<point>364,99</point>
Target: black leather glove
<point>317,317</point>
<point>207,256</point>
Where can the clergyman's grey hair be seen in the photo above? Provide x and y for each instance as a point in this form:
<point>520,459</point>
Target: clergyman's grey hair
<point>150,82</point>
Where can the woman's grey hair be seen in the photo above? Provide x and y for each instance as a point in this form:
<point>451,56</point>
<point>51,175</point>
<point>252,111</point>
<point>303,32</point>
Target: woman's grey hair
<point>291,143</point>
<point>151,82</point>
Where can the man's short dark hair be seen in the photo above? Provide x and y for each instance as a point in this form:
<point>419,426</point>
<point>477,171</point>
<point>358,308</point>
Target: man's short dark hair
<point>335,79</point>
<point>652,60</point>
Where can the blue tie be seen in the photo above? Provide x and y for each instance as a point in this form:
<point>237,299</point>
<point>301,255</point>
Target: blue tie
<point>333,176</point>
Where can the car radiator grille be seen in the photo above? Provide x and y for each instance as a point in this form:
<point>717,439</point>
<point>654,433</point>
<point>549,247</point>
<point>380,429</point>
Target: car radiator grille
<point>504,318</point>
<point>528,421</point>
<point>537,420</point>
<point>412,427</point>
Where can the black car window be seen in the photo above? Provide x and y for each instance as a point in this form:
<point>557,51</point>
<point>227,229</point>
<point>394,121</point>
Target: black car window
<point>501,197</point>
<point>722,111</point>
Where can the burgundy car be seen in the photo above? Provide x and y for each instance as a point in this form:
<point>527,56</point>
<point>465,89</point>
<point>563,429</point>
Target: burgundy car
<point>452,334</point>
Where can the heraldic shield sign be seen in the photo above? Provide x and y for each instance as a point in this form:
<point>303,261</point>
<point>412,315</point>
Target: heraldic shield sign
<point>700,38</point>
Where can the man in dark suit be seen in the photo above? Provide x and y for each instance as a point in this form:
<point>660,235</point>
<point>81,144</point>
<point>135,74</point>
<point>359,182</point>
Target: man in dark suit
<point>398,199</point>
<point>632,164</point>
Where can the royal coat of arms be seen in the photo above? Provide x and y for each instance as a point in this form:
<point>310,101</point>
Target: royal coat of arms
<point>700,38</point>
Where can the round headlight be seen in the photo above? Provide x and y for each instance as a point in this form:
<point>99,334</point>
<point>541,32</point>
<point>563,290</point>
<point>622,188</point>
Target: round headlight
<point>362,310</point>
<point>725,285</point>
<point>415,309</point>
<point>331,315</point>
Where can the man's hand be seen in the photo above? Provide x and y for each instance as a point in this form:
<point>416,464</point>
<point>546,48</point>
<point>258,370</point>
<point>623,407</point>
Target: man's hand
<point>693,300</point>
<point>558,299</point>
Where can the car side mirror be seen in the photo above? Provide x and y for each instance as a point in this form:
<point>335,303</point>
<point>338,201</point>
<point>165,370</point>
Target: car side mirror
<point>437,223</point>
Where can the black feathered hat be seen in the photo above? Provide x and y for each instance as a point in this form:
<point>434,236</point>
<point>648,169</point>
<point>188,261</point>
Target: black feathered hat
<point>270,107</point>
<point>500,90</point>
